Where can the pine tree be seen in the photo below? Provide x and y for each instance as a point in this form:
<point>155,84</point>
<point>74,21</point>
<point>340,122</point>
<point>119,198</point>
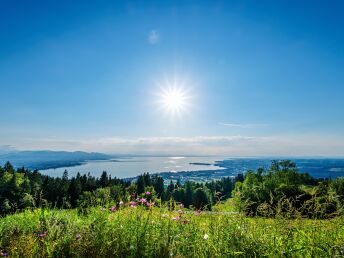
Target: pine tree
<point>140,184</point>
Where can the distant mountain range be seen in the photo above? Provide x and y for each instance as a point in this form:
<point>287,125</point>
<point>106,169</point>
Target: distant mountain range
<point>49,159</point>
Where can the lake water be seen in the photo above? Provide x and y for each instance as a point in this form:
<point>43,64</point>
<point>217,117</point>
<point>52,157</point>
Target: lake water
<point>133,166</point>
<point>125,167</point>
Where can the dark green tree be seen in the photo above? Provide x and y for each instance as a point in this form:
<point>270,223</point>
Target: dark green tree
<point>201,199</point>
<point>140,184</point>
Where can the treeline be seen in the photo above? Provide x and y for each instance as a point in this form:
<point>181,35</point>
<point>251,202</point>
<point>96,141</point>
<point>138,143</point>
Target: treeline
<point>22,188</point>
<point>282,191</point>
<point>278,190</point>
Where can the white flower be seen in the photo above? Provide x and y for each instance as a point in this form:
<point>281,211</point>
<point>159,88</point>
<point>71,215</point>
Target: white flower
<point>120,203</point>
<point>205,236</point>
<point>131,247</point>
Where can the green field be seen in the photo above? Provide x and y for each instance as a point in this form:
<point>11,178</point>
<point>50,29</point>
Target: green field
<point>158,232</point>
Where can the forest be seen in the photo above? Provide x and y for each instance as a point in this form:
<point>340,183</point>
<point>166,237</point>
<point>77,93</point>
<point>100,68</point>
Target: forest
<point>279,190</point>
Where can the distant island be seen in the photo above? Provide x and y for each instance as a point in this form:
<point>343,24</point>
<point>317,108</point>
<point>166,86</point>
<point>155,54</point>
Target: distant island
<point>200,163</point>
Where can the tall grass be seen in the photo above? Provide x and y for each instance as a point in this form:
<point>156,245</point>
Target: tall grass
<point>158,232</point>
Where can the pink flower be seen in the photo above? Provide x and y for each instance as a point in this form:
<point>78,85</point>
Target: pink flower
<point>148,193</point>
<point>43,234</point>
<point>133,204</point>
<point>176,218</point>
<point>143,200</point>
<point>149,204</point>
<point>113,208</point>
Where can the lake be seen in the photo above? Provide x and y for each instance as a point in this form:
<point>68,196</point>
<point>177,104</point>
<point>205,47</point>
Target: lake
<point>133,166</point>
<point>211,167</point>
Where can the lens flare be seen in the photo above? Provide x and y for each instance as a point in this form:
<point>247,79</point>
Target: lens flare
<point>173,99</point>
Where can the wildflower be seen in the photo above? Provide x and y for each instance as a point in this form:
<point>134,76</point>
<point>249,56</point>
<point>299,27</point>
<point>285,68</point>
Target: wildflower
<point>120,203</point>
<point>148,193</point>
<point>181,206</point>
<point>78,236</point>
<point>164,215</point>
<point>143,200</point>
<point>102,209</point>
<point>133,204</point>
<point>131,247</point>
<point>180,211</point>
<point>176,218</point>
<point>113,208</point>
<point>205,236</point>
<point>4,254</point>
<point>43,234</point>
<point>149,204</point>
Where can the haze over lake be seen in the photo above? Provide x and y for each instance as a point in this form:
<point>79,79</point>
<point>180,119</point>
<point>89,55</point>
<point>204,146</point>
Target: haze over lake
<point>133,166</point>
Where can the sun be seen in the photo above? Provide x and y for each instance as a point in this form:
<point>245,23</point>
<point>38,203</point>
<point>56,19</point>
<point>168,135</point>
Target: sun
<point>174,99</point>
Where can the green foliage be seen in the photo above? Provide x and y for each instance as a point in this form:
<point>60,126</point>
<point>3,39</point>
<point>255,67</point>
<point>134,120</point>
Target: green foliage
<point>201,199</point>
<point>159,232</point>
<point>282,191</point>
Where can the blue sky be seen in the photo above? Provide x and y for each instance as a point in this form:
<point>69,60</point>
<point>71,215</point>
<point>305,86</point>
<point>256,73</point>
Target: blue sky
<point>262,78</point>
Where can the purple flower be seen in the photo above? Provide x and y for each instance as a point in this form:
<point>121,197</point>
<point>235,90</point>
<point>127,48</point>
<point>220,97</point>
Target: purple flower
<point>43,234</point>
<point>148,193</point>
<point>133,204</point>
<point>113,208</point>
<point>143,200</point>
<point>149,204</point>
<point>4,254</point>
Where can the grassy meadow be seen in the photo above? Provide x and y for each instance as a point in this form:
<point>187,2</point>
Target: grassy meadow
<point>139,231</point>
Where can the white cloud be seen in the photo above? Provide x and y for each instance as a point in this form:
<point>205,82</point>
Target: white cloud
<point>237,145</point>
<point>242,125</point>
<point>153,37</point>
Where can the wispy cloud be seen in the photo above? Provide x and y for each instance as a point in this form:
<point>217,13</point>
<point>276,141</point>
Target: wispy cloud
<point>236,145</point>
<point>6,149</point>
<point>153,37</point>
<point>242,125</point>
